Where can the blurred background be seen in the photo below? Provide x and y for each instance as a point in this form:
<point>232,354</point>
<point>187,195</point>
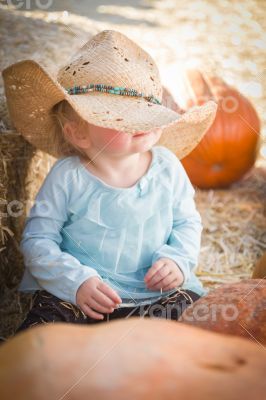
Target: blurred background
<point>223,43</point>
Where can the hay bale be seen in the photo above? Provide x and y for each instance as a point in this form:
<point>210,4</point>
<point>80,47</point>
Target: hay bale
<point>22,170</point>
<point>16,156</point>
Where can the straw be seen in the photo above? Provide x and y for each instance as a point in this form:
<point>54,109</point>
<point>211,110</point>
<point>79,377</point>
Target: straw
<point>234,234</point>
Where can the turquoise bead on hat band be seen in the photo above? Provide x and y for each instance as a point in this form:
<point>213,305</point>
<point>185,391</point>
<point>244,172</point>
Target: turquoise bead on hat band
<point>99,87</point>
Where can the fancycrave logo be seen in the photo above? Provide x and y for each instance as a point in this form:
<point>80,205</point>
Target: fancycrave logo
<point>200,312</point>
<point>30,4</point>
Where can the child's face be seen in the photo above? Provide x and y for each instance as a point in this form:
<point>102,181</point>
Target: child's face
<point>117,142</point>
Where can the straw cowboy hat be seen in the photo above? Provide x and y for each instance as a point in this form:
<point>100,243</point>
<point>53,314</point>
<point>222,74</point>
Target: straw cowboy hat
<point>110,82</point>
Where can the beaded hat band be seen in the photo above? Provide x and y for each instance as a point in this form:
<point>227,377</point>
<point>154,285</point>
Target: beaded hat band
<point>110,89</point>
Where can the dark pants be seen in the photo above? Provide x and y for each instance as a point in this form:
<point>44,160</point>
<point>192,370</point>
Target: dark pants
<point>49,308</point>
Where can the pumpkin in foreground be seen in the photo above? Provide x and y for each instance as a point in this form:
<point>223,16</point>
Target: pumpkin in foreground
<point>132,359</point>
<point>230,147</point>
<point>234,308</point>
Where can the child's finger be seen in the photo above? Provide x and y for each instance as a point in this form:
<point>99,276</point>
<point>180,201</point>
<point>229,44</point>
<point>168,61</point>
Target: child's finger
<point>99,307</point>
<point>160,274</point>
<point>103,287</point>
<point>88,311</point>
<point>152,271</point>
<point>168,279</point>
<point>102,299</point>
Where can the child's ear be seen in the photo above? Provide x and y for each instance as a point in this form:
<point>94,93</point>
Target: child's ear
<point>76,135</point>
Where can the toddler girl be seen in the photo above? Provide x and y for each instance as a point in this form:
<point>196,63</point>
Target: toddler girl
<point>114,230</point>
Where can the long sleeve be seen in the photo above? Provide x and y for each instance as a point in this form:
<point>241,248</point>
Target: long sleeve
<point>183,244</point>
<point>56,271</point>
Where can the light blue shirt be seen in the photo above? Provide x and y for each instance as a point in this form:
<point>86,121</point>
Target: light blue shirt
<point>79,227</point>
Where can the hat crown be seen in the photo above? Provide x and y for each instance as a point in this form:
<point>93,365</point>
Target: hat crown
<point>111,58</point>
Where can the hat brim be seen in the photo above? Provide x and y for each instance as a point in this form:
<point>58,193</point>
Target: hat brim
<point>32,92</point>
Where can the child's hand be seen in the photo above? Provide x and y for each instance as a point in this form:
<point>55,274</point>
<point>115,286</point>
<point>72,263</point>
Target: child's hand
<point>164,274</point>
<point>93,294</point>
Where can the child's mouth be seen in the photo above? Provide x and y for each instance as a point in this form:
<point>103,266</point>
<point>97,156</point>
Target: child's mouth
<point>141,134</point>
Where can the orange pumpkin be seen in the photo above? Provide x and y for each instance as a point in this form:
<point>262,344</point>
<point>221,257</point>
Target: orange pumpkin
<point>259,271</point>
<point>229,148</point>
<point>132,359</point>
<point>233,308</point>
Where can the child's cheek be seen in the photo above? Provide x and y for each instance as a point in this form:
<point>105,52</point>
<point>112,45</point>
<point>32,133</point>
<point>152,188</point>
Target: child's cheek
<point>116,140</point>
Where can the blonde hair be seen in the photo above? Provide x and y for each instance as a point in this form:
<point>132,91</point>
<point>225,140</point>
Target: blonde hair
<point>63,112</point>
